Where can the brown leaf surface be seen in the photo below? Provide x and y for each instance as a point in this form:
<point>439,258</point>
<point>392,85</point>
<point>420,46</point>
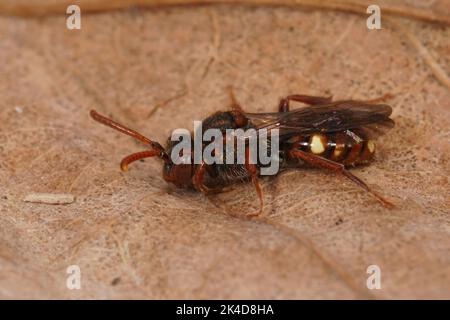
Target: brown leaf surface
<point>133,236</point>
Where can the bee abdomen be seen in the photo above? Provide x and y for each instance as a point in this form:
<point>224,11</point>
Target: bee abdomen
<point>346,147</point>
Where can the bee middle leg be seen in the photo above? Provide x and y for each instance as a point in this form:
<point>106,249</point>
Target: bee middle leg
<point>311,100</point>
<point>324,163</point>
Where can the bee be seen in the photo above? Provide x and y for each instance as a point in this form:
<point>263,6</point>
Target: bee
<point>326,134</point>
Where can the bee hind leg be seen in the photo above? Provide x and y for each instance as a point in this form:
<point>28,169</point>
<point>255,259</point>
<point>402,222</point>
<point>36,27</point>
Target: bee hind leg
<point>323,163</point>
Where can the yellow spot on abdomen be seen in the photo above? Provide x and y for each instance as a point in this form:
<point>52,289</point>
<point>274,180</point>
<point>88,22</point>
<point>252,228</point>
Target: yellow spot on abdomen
<point>338,150</point>
<point>371,146</point>
<point>317,143</point>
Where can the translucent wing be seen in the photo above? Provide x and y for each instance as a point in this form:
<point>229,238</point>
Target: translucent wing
<point>336,116</point>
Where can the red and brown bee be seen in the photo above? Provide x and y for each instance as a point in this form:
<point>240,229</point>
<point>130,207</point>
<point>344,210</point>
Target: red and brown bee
<point>325,134</point>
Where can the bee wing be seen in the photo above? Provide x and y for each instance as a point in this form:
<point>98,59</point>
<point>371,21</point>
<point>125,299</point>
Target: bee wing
<point>337,116</point>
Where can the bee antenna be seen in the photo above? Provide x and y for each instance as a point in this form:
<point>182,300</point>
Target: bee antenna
<point>119,127</point>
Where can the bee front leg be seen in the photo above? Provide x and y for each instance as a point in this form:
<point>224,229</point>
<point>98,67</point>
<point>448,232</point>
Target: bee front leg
<point>198,181</point>
<point>253,171</point>
<point>198,178</point>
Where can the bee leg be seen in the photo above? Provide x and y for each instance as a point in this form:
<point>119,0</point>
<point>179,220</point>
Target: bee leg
<point>253,170</point>
<point>197,179</point>
<point>311,100</point>
<point>284,105</point>
<point>382,98</point>
<point>236,110</point>
<point>234,103</point>
<point>137,156</point>
<point>320,162</point>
